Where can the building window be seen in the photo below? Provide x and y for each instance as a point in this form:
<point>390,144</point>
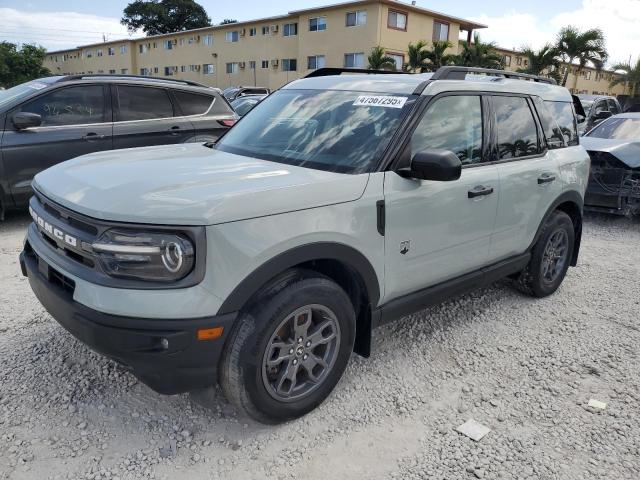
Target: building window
<point>183,68</point>
<point>289,65</point>
<point>264,64</point>
<point>440,31</point>
<point>518,61</point>
<point>316,61</point>
<point>89,54</point>
<point>587,75</point>
<point>252,64</point>
<point>290,29</point>
<point>208,69</point>
<point>507,60</point>
<point>354,60</point>
<point>265,30</point>
<point>124,71</point>
<point>208,39</point>
<point>355,19</point>
<point>317,24</point>
<point>398,59</point>
<point>232,67</point>
<point>145,72</point>
<point>168,44</point>
<point>192,40</point>
<point>252,32</point>
<point>169,71</point>
<point>111,51</point>
<point>123,49</point>
<point>144,48</point>
<point>232,36</point>
<point>98,53</point>
<point>112,72</point>
<point>397,20</point>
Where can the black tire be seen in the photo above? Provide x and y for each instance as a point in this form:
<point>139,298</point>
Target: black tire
<point>245,376</point>
<point>535,280</point>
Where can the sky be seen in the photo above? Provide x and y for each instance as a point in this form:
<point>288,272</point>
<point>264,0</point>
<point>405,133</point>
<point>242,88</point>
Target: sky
<point>68,23</point>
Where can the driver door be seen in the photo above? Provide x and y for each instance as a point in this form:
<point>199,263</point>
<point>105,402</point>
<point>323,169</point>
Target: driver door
<point>436,231</point>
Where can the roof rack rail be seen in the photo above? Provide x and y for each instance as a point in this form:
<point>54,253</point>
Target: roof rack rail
<point>328,71</point>
<point>459,73</point>
<point>66,78</point>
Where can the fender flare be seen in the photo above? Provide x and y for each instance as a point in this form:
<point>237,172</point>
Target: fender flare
<point>295,256</point>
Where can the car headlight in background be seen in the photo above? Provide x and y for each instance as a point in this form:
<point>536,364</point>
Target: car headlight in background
<point>151,256</point>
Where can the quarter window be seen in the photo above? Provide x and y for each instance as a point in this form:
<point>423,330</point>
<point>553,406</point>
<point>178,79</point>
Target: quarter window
<point>397,20</point>
<point>69,106</point>
<point>358,18</point>
<point>143,103</point>
<point>516,129</point>
<point>452,123</point>
<point>563,113</point>
<point>552,131</point>
<point>192,103</point>
<point>317,24</point>
<point>440,31</point>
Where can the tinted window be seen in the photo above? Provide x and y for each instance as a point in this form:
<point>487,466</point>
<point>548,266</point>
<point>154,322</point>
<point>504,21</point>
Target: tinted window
<point>516,128</point>
<point>618,128</point>
<point>451,123</point>
<point>143,103</point>
<point>337,131</point>
<point>552,131</point>
<point>566,119</point>
<point>613,106</point>
<point>69,106</point>
<point>192,103</point>
<point>600,106</point>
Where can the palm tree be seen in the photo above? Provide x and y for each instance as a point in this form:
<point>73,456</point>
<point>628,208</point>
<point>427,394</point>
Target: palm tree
<point>630,77</point>
<point>581,47</point>
<point>479,54</point>
<point>379,60</point>
<point>416,57</point>
<point>542,62</point>
<point>437,56</point>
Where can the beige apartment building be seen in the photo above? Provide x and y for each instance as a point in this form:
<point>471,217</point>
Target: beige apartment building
<point>272,51</point>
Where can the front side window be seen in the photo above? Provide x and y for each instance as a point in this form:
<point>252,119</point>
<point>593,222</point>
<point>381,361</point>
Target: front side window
<point>316,61</point>
<point>354,60</point>
<point>618,129</point>
<point>289,65</point>
<point>440,31</point>
<point>452,123</point>
<point>192,103</point>
<point>613,106</point>
<point>290,29</point>
<point>516,129</point>
<point>69,106</point>
<point>317,24</point>
<point>397,20</point>
<point>336,131</point>
<point>355,19</point>
<point>142,103</point>
<point>232,36</point>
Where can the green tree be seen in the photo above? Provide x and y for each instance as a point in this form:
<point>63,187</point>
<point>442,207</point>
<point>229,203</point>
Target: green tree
<point>582,48</point>
<point>542,62</point>
<point>630,77</point>
<point>227,21</point>
<point>416,57</point>
<point>19,65</point>
<point>379,60</point>
<point>156,17</point>
<point>479,54</point>
<point>437,57</point>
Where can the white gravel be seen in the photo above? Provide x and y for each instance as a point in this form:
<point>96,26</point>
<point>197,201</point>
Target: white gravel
<point>525,368</point>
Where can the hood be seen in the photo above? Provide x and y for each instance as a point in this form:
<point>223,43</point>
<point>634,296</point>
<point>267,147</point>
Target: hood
<point>627,151</point>
<point>189,184</point>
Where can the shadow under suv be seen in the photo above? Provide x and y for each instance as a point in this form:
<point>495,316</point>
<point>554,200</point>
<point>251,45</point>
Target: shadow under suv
<point>46,121</point>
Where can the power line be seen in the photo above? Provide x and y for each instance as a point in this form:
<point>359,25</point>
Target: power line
<point>58,29</point>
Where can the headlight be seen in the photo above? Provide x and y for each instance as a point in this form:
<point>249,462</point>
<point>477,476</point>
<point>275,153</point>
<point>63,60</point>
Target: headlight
<point>153,256</point>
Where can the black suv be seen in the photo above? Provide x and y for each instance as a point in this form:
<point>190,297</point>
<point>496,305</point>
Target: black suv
<point>49,120</point>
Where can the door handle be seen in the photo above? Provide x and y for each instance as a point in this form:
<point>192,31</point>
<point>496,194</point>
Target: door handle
<point>93,136</point>
<point>479,191</point>
<point>175,130</point>
<point>546,178</point>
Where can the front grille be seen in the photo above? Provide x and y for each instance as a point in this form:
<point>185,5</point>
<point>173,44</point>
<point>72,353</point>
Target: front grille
<point>51,274</point>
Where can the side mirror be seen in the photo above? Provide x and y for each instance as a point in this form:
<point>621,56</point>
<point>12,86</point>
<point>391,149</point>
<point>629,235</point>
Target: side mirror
<point>602,115</point>
<point>437,165</point>
<point>24,120</point>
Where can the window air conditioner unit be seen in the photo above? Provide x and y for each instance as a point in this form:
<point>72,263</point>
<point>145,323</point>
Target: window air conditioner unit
<point>243,32</point>
<point>241,64</point>
<point>274,63</point>
<point>274,28</point>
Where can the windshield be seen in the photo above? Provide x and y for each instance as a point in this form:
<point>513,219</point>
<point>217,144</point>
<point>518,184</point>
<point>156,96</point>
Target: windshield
<point>618,128</point>
<point>229,92</point>
<point>21,91</point>
<point>324,129</point>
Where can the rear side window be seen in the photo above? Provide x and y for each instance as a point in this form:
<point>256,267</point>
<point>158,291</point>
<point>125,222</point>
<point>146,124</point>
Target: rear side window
<point>516,128</point>
<point>552,131</point>
<point>566,119</point>
<point>143,103</point>
<point>69,106</point>
<point>192,103</point>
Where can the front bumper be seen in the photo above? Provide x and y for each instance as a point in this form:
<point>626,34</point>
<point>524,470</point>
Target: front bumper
<point>164,354</point>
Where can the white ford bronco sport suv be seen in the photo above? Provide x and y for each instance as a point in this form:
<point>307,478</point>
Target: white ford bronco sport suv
<point>340,203</point>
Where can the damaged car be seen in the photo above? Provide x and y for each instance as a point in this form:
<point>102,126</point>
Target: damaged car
<point>614,181</point>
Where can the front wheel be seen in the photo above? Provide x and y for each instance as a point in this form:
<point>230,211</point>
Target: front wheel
<point>288,352</point>
<point>550,257</point>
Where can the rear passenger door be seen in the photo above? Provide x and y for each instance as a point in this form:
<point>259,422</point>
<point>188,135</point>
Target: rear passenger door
<point>209,115</point>
<point>529,174</point>
<point>146,115</point>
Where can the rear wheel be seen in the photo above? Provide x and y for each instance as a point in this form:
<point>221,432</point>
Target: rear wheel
<point>550,257</point>
<point>287,353</point>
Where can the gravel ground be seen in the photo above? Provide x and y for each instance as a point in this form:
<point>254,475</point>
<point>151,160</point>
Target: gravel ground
<point>525,368</point>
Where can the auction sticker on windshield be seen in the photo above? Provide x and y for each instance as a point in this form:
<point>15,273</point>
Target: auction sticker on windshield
<point>380,101</point>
